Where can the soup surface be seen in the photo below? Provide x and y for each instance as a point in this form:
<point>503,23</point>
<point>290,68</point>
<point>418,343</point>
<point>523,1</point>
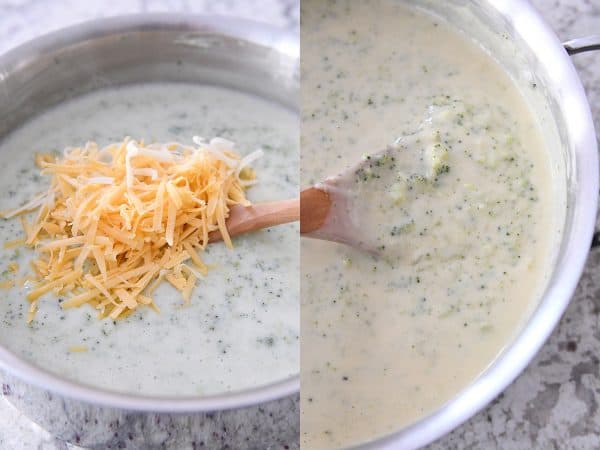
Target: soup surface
<point>466,204</point>
<point>240,329</point>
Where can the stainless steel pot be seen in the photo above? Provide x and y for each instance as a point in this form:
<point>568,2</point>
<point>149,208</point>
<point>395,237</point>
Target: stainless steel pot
<point>158,47</point>
<point>519,39</point>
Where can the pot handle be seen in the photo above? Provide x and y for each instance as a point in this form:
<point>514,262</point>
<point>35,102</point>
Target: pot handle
<point>584,44</point>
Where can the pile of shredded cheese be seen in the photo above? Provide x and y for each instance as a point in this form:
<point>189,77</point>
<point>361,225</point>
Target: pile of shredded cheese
<point>117,221</point>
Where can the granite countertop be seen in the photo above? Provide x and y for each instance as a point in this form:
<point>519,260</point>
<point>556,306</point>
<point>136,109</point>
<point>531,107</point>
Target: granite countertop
<point>555,402</point>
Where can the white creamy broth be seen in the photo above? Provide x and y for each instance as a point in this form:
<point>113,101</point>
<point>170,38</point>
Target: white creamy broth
<point>467,204</point>
<point>241,327</point>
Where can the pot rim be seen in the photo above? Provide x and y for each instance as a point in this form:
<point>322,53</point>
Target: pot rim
<point>256,33</point>
<point>529,24</point>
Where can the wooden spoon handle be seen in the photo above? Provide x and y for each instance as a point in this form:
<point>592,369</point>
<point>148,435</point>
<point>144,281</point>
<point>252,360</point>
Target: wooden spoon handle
<point>314,209</point>
<point>260,215</point>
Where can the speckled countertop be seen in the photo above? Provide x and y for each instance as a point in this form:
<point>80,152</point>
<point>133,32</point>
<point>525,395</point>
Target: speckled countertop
<point>554,404</point>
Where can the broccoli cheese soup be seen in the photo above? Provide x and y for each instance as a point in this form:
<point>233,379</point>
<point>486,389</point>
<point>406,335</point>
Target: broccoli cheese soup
<point>240,327</point>
<point>466,202</point>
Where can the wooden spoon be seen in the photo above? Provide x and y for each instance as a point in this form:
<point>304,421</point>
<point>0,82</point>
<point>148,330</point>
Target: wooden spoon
<point>322,213</point>
<point>311,209</point>
<point>326,211</point>
<point>243,219</point>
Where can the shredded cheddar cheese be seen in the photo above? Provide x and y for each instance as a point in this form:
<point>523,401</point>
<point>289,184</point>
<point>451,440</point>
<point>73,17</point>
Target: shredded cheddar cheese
<point>6,284</point>
<point>117,221</point>
<point>78,349</point>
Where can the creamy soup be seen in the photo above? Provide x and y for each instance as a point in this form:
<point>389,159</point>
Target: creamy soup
<point>465,203</point>
<point>241,327</point>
